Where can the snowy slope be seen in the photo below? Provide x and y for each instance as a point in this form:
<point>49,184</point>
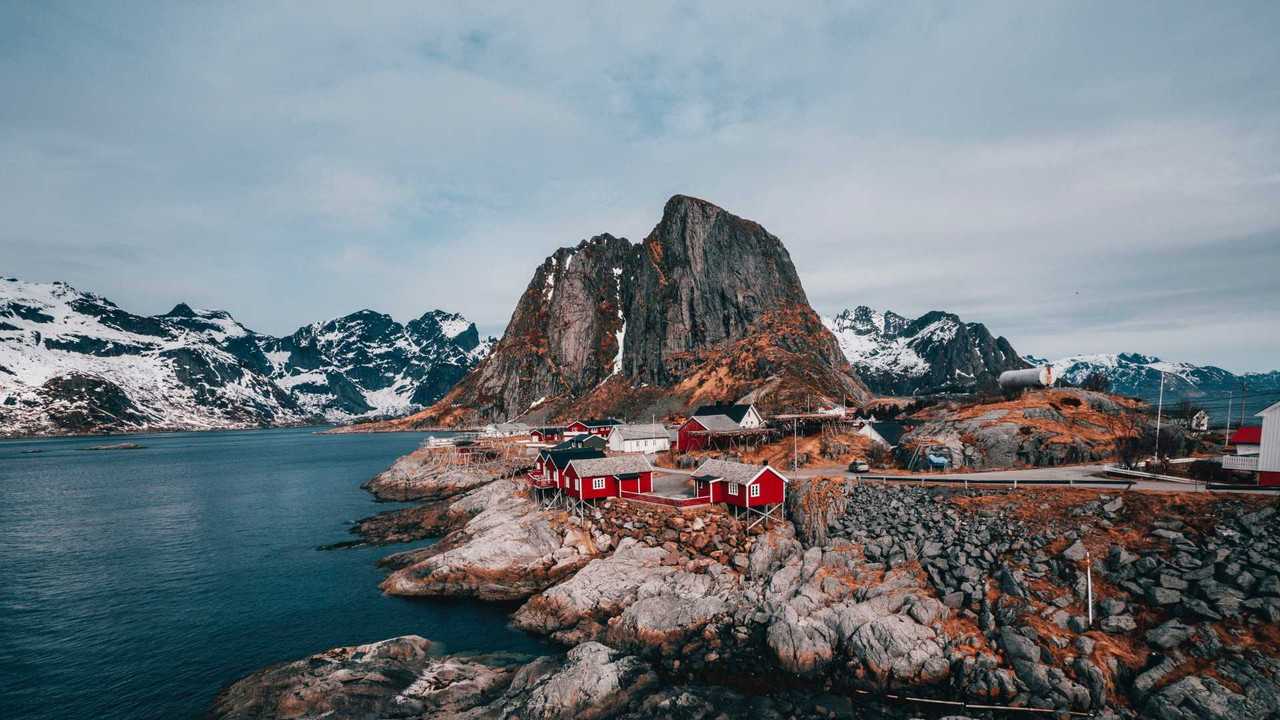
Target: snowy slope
<point>75,362</point>
<point>1138,375</point>
<point>936,352</point>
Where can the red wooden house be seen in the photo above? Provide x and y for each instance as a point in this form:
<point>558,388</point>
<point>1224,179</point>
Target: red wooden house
<point>756,489</point>
<point>600,427</point>
<point>546,434</point>
<point>593,478</point>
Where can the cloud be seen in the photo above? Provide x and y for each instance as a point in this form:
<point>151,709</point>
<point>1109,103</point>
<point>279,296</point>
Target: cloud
<point>1044,168</point>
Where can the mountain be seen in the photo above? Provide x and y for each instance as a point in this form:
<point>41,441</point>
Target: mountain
<point>1138,375</point>
<point>72,361</point>
<point>936,352</point>
<point>707,307</point>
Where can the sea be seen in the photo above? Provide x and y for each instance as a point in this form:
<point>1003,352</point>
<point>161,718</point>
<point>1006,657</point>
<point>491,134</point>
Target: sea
<point>135,583</point>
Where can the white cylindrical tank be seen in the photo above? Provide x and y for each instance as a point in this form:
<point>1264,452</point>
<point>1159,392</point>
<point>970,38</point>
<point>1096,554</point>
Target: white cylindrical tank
<point>1029,378</point>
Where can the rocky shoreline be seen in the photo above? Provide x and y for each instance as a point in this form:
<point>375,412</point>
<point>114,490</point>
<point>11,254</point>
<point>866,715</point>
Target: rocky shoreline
<point>976,596</point>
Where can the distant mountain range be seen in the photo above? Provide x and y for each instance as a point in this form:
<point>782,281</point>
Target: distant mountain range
<point>72,361</point>
<point>1139,375</point>
<point>936,352</point>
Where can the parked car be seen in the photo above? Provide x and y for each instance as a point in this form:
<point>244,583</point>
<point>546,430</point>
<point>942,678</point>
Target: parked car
<point>859,466</point>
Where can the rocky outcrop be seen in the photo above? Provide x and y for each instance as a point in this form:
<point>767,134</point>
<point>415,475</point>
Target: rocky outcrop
<point>1048,427</point>
<point>364,681</point>
<point>420,476</point>
<point>608,327</point>
<point>578,608</point>
<point>508,551</point>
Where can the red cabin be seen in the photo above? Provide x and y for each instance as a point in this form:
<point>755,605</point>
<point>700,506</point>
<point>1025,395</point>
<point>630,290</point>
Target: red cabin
<point>546,434</point>
<point>591,478</point>
<point>739,484</point>
<point>600,428</point>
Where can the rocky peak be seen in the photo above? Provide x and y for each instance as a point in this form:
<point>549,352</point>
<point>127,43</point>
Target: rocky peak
<point>621,328</point>
<point>705,275</point>
<point>181,310</point>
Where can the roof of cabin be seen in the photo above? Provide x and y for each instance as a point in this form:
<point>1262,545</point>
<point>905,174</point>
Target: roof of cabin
<point>717,422</point>
<point>616,465</point>
<point>1247,435</point>
<point>730,471</point>
<point>600,422</point>
<point>562,458</point>
<point>642,432</point>
<point>734,412</point>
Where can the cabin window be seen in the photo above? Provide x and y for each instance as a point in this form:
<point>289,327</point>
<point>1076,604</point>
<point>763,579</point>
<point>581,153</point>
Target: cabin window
<point>733,488</point>
<point>754,491</point>
<point>597,484</point>
<point>577,484</point>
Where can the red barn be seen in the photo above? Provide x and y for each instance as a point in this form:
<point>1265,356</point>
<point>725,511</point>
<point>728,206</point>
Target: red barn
<point>599,428</point>
<point>758,489</point>
<point>592,478</point>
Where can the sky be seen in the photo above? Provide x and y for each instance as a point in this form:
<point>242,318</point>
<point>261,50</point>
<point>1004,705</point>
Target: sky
<point>1079,176</point>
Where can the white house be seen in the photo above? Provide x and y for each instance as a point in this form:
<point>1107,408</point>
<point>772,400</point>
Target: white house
<point>1269,450</point>
<point>648,438</point>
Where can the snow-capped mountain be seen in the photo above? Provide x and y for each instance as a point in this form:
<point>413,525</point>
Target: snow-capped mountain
<point>936,352</point>
<point>75,362</point>
<point>1139,376</point>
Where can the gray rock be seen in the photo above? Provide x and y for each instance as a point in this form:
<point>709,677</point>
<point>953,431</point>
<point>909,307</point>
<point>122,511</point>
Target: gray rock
<point>1169,635</point>
<point>1163,596</point>
<point>1118,624</point>
<point>1075,552</point>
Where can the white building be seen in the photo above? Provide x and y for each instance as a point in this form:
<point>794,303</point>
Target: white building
<point>1269,451</point>
<point>648,438</point>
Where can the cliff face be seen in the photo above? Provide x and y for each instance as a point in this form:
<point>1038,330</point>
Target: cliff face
<point>705,276</point>
<point>563,338</point>
<point>609,327</point>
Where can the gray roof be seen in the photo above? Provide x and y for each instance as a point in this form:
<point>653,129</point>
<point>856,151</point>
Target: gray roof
<point>616,465</point>
<point>642,432</point>
<point>729,471</point>
<point>717,423</point>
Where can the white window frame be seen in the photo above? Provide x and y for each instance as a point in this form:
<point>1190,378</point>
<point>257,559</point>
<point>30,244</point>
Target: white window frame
<point>733,489</point>
<point>597,483</point>
<point>577,484</point>
<point>753,490</point>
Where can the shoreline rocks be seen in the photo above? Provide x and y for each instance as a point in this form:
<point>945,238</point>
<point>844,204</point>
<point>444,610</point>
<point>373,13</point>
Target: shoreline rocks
<point>937,592</point>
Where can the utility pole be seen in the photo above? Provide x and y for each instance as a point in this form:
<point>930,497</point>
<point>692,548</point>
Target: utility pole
<point>1244,396</point>
<point>1159,412</point>
<point>1226,434</point>
<point>795,445</point>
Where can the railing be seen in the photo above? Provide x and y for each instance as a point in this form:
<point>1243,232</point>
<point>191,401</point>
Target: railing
<point>1248,463</point>
<point>539,480</point>
<point>668,501</point>
<point>976,480</point>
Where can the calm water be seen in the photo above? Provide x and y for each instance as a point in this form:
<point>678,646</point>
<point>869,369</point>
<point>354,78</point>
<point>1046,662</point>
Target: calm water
<point>136,583</point>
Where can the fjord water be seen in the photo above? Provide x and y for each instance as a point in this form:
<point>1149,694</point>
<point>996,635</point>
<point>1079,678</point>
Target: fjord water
<point>136,583</point>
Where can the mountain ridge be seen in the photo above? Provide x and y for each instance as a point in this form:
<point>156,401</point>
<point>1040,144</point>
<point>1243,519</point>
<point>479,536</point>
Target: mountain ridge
<point>74,362</point>
<point>934,353</point>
